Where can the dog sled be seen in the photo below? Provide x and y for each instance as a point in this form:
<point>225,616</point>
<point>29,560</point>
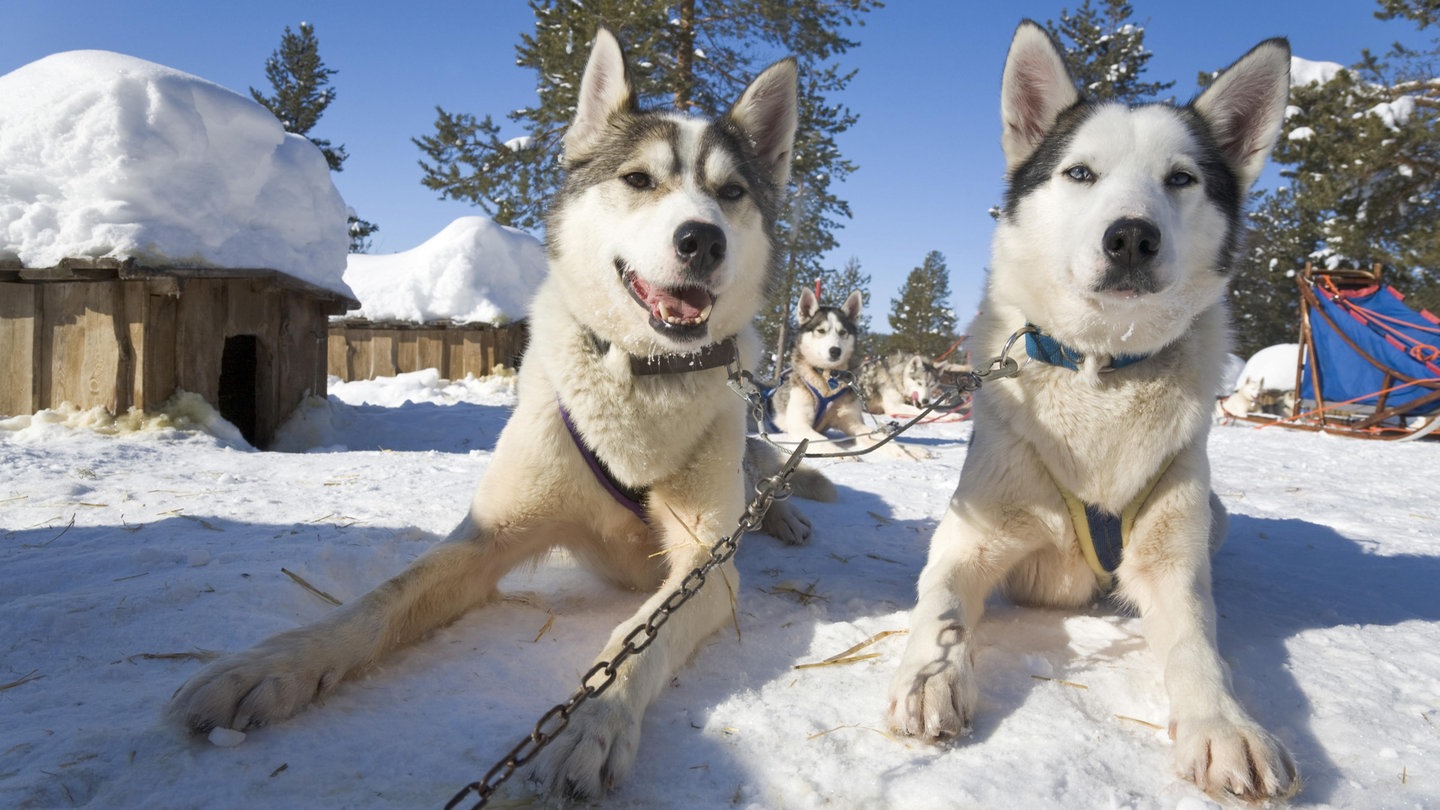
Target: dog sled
<point>1369,364</point>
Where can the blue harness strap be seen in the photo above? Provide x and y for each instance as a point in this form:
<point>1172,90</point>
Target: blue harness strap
<point>629,497</point>
<point>1103,535</point>
<point>822,402</point>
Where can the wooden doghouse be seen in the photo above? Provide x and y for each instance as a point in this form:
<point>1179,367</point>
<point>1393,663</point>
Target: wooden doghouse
<point>362,349</point>
<point>119,335</point>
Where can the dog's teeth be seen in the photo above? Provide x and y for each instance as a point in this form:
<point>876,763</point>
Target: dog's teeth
<point>705,313</point>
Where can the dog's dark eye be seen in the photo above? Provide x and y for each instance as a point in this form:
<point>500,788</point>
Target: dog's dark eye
<point>731,191</point>
<point>1080,174</point>
<point>1180,179</point>
<point>639,180</point>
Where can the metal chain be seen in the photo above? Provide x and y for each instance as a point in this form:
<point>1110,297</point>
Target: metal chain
<point>600,676</point>
<point>768,490</point>
<point>1000,366</point>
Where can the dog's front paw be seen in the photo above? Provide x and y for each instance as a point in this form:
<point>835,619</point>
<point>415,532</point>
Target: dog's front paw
<point>265,684</point>
<point>933,701</point>
<point>1237,758</point>
<point>592,754</point>
<point>787,524</point>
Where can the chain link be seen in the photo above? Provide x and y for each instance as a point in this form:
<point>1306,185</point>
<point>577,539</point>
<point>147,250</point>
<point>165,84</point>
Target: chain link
<point>768,490</point>
<point>966,382</point>
<point>603,674</point>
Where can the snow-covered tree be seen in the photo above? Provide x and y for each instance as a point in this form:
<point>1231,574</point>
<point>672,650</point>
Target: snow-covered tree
<point>302,91</point>
<point>1361,158</point>
<point>1106,53</point>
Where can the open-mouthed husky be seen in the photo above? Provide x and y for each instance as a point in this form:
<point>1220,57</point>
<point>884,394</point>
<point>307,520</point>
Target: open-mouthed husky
<point>814,394</point>
<point>1119,229</point>
<point>898,384</point>
<point>626,446</point>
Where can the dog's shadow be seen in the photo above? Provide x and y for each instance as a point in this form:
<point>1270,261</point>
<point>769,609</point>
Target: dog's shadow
<point>1276,579</point>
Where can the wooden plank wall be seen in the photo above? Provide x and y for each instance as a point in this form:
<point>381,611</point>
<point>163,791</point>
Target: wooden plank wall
<point>121,343</point>
<point>19,359</point>
<point>366,351</point>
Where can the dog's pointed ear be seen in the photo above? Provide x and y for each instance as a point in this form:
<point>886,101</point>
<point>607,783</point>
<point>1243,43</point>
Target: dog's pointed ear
<point>1245,107</point>
<point>807,306</point>
<point>767,113</point>
<point>852,305</point>
<point>605,90</point>
<point>1036,88</point>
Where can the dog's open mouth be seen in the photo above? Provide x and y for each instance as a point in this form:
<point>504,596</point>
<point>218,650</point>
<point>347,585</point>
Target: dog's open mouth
<point>679,312</point>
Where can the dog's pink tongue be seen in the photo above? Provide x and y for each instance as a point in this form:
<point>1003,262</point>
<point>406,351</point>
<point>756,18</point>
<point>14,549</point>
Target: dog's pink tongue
<point>685,303</point>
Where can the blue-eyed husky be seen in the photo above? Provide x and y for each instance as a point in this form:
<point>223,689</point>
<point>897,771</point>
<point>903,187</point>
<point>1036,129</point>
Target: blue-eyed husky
<point>1088,471</point>
<point>626,446</point>
<point>815,393</point>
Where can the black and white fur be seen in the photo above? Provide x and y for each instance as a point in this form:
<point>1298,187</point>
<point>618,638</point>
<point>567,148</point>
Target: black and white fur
<point>660,242</point>
<point>1119,229</point>
<point>815,395</point>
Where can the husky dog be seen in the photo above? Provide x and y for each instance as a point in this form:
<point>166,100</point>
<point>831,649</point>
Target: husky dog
<point>901,383</point>
<point>626,446</point>
<point>814,395</point>
<point>1119,228</point>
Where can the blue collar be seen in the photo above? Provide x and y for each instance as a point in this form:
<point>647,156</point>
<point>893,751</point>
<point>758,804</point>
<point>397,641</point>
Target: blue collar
<point>1046,349</point>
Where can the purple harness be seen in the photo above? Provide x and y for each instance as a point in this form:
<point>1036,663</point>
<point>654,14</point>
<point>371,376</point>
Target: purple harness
<point>629,497</point>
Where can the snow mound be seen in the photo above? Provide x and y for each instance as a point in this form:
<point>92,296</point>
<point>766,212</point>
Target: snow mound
<point>472,271</point>
<point>1271,369</point>
<point>107,155</point>
<point>185,412</point>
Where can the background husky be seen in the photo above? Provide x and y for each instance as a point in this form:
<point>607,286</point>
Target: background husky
<point>813,396</point>
<point>899,383</point>
<point>660,253</point>
<point>1116,237</point>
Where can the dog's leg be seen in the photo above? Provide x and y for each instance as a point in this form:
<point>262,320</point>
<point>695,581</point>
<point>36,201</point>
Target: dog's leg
<point>1166,574</point>
<point>598,746</point>
<point>285,673</point>
<point>933,694</point>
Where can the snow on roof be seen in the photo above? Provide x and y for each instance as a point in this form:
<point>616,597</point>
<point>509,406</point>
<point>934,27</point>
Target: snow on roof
<point>472,271</point>
<point>107,155</point>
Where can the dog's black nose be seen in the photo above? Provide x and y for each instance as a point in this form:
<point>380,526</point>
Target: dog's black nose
<point>1132,243</point>
<point>700,246</point>
<point>834,352</point>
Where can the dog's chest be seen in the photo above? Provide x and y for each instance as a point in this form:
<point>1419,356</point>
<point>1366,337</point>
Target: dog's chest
<point>1103,441</point>
<point>647,429</point>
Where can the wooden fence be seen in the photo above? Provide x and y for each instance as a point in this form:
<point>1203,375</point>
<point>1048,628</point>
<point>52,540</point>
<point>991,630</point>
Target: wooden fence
<point>363,350</point>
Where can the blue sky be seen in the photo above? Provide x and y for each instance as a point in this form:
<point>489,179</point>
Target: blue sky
<point>927,94</point>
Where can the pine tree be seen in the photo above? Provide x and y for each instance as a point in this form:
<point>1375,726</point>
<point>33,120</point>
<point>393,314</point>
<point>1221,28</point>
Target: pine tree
<point>1361,155</point>
<point>921,319</point>
<point>1106,52</point>
<point>301,82</point>
<point>693,55</point>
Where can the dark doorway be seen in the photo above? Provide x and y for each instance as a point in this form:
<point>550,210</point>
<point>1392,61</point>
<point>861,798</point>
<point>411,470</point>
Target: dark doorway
<point>237,383</point>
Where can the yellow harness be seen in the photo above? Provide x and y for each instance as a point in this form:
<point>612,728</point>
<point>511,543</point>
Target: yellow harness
<point>1103,535</point>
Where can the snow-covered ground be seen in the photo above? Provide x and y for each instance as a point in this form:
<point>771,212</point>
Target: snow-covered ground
<point>130,551</point>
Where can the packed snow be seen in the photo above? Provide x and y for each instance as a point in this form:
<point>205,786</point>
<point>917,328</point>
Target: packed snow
<point>133,549</point>
<point>107,155</point>
<point>472,271</point>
